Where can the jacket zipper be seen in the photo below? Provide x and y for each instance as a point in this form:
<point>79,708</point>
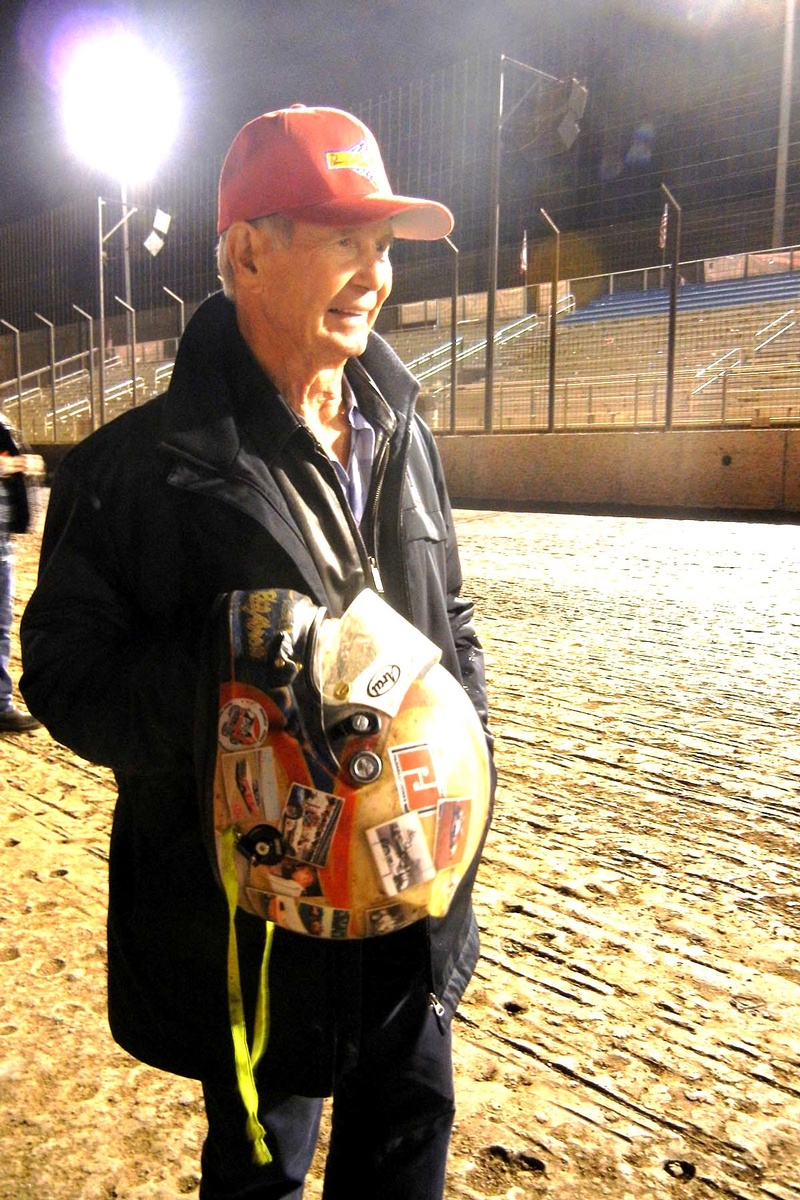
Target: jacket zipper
<point>373,500</point>
<point>435,1004</point>
<point>368,556</point>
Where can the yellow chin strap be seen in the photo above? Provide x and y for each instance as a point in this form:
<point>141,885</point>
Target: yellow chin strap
<point>246,1057</point>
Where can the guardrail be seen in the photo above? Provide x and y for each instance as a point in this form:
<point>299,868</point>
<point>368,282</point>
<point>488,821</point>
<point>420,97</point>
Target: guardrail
<point>747,397</point>
<point>732,388</point>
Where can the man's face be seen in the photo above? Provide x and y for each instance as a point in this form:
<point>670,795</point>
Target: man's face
<point>322,291</point>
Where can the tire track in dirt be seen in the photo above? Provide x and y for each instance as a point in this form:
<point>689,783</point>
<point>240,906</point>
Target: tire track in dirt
<point>633,1029</point>
<point>640,976</point>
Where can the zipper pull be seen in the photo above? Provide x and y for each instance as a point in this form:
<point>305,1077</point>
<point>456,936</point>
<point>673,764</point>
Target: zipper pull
<point>436,1004</point>
<point>377,582</point>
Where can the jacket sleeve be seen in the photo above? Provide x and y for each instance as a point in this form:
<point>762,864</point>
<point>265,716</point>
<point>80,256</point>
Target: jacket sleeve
<point>108,679</point>
<point>460,610</point>
<point>461,616</point>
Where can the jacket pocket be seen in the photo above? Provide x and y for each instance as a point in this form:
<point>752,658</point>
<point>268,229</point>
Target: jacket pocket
<point>418,524</point>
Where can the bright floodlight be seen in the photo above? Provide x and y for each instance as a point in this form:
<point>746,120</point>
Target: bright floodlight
<point>120,105</point>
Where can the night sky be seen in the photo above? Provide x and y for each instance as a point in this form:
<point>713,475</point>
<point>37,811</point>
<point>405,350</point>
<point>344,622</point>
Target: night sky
<point>233,61</point>
<point>236,58</point>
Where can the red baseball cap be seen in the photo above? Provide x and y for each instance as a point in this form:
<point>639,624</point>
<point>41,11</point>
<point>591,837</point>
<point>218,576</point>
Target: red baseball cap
<point>319,165</point>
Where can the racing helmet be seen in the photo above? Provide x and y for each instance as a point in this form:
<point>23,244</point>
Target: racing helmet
<point>349,787</point>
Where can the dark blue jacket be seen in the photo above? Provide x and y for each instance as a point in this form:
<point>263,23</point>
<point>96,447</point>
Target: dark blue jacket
<point>211,487</point>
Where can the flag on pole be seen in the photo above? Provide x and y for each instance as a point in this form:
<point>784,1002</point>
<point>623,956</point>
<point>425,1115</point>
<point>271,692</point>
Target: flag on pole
<point>523,254</point>
<point>662,229</point>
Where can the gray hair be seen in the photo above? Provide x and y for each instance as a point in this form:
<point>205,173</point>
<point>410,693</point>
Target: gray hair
<point>281,227</point>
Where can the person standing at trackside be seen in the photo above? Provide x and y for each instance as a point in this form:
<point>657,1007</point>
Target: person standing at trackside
<point>285,454</point>
<point>15,517</point>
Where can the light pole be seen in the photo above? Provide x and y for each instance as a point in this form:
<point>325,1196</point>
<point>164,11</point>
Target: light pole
<point>131,311</point>
<point>102,238</point>
<point>126,247</point>
<point>673,305</point>
<point>52,355</point>
<point>453,336</point>
<point>18,359</point>
<point>784,116</point>
<point>90,321</point>
<point>551,373</point>
<point>181,309</point>
<point>120,108</point>
<point>567,131</point>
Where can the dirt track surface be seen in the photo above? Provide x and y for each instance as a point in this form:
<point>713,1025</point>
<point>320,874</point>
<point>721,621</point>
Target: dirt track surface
<point>633,1029</point>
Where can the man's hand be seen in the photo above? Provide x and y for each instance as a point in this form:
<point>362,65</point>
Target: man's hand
<point>25,464</point>
<point>33,465</point>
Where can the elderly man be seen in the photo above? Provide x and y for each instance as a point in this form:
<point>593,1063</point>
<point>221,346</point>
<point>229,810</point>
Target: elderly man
<point>285,454</point>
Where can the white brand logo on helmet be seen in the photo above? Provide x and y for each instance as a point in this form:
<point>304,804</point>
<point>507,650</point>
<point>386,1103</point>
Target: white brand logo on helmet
<point>357,158</point>
<point>383,681</point>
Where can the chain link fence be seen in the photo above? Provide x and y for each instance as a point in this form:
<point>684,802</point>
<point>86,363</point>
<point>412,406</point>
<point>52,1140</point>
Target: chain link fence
<point>654,112</point>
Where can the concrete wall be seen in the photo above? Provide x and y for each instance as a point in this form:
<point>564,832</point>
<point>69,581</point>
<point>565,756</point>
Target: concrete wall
<point>749,469</point>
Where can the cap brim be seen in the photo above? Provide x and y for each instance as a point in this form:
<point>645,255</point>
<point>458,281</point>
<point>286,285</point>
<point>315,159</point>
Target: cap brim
<point>411,218</point>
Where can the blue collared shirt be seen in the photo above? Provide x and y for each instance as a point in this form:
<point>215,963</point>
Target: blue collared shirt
<point>355,478</point>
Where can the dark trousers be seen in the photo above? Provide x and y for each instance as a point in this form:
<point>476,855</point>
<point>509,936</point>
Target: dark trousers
<point>392,1109</point>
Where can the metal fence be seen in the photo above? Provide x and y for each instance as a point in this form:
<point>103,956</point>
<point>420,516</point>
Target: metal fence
<point>657,109</point>
<point>736,350</point>
<point>736,360</point>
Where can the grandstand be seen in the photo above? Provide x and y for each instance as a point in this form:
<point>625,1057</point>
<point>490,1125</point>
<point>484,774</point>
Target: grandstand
<point>737,360</point>
<point>737,356</point>
<point>735,351</point>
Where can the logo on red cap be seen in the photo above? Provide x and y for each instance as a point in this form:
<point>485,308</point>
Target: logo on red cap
<point>357,158</point>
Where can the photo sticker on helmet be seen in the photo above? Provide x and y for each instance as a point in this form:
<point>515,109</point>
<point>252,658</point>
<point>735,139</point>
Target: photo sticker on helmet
<point>401,855</point>
<point>309,823</point>
<point>416,777</point>
<point>251,790</point>
<point>387,918</point>
<point>301,916</point>
<point>320,921</point>
<point>282,910</point>
<point>242,723</point>
<point>452,827</point>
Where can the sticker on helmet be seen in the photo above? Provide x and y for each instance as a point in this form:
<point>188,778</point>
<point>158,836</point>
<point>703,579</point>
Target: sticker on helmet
<point>302,916</point>
<point>309,823</point>
<point>242,723</point>
<point>324,922</point>
<point>383,680</point>
<point>401,855</point>
<point>387,918</point>
<point>251,786</point>
<point>452,826</point>
<point>415,773</point>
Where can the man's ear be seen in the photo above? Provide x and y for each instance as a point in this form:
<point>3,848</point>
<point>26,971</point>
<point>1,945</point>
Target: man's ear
<point>244,247</point>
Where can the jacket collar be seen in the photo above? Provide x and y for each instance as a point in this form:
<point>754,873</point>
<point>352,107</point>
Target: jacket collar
<point>216,389</point>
